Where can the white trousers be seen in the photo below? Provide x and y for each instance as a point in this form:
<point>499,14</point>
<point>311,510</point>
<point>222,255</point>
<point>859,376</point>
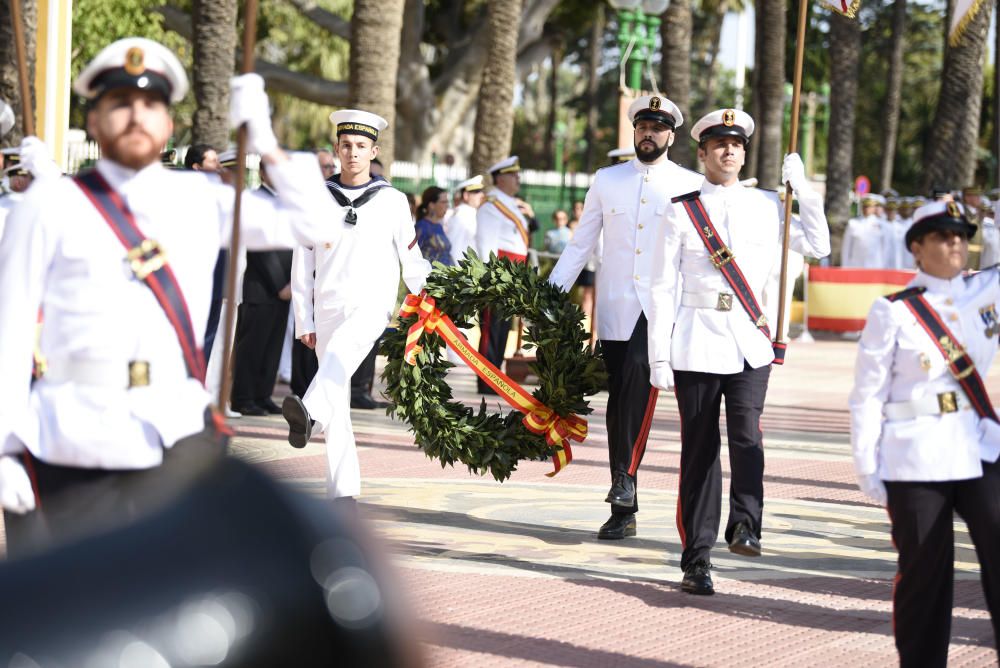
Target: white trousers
<point>342,343</point>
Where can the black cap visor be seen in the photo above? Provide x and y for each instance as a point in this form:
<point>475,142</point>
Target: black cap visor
<point>119,78</point>
<point>723,131</point>
<point>943,222</point>
<point>657,115</point>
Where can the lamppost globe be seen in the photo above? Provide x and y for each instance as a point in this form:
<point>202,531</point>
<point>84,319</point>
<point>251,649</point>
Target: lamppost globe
<point>625,4</point>
<point>654,7</point>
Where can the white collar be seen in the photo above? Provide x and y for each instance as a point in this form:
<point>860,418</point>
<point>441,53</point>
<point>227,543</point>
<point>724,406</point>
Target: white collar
<point>119,176</point>
<point>645,168</point>
<point>709,188</point>
<point>954,286</point>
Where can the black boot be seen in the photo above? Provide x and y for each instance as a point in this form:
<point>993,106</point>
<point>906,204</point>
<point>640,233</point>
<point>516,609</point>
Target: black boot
<point>618,526</point>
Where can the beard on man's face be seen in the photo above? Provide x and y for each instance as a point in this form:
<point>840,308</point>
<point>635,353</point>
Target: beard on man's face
<point>134,148</point>
<point>647,150</point>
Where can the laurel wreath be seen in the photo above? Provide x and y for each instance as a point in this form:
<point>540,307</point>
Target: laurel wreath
<point>567,369</point>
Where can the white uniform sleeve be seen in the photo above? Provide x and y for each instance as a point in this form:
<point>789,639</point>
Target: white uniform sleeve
<point>664,286</point>
<point>303,284</point>
<point>872,375</point>
<point>810,233</point>
<point>584,242</point>
<point>487,231</point>
<point>26,250</point>
<point>414,267</point>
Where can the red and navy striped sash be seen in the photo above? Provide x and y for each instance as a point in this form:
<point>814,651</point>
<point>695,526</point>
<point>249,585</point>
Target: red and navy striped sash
<point>147,263</point>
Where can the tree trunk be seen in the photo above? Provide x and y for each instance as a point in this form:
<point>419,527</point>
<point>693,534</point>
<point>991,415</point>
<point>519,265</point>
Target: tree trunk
<point>768,135</point>
<point>376,27</point>
<point>845,54</point>
<point>675,72</point>
<point>214,23</point>
<point>750,168</point>
<point>714,32</point>
<point>494,111</point>
<point>893,94</point>
<point>593,83</point>
<point>950,160</point>
<point>10,90</point>
<point>553,115</point>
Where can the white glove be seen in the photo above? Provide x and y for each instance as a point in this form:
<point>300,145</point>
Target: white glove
<point>16,494</point>
<point>249,104</point>
<point>873,487</point>
<point>793,172</point>
<point>661,376</point>
<point>36,159</point>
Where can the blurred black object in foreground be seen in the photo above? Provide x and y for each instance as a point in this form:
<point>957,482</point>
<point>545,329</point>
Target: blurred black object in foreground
<point>235,570</point>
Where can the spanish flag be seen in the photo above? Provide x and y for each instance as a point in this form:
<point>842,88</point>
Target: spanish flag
<point>839,299</point>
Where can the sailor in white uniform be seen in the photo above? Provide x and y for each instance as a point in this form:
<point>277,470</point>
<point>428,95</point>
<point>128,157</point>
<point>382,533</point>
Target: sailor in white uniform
<point>863,246</point>
<point>460,227</point>
<point>924,432</point>
<point>120,259</point>
<point>343,293</point>
<point>718,342</point>
<point>626,203</point>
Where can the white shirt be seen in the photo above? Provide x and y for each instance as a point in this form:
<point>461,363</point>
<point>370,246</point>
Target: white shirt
<point>60,255</point>
<point>990,254</point>
<point>863,244</point>
<point>898,361</point>
<point>461,230</point>
<point>7,204</point>
<point>625,202</point>
<point>496,232</point>
<point>749,222</point>
<point>359,273</point>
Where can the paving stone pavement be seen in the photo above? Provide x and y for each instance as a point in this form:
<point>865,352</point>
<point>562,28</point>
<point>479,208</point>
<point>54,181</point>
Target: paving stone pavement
<point>512,574</point>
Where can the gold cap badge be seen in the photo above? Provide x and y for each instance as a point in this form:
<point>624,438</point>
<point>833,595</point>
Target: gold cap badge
<point>654,103</point>
<point>953,210</point>
<point>135,61</point>
<point>729,118</point>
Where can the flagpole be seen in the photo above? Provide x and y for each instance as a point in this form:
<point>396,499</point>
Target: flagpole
<point>225,386</point>
<point>27,115</point>
<point>793,137</point>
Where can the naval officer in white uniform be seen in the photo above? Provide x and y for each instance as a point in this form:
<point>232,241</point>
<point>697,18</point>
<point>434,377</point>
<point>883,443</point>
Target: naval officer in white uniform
<point>461,226</point>
<point>343,293</point>
<point>626,203</point>
<point>717,343</point>
<point>504,225</point>
<point>925,441</point>
<point>124,392</point>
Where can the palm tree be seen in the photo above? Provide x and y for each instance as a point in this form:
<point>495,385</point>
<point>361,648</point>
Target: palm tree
<point>375,37</point>
<point>769,93</point>
<point>594,54</point>
<point>214,24</point>
<point>893,93</point>
<point>675,72</point>
<point>9,85</point>
<point>845,55</point>
<point>494,109</point>
<point>950,158</point>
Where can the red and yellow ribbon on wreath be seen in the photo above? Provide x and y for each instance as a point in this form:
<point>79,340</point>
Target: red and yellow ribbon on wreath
<point>538,418</point>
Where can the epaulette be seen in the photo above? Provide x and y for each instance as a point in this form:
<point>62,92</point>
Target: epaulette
<point>992,266</point>
<point>766,190</point>
<point>906,294</point>
<point>687,197</point>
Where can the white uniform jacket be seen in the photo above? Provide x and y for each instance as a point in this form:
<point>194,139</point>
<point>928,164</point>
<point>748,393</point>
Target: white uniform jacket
<point>863,246</point>
<point>495,231</point>
<point>749,222</point>
<point>59,254</point>
<point>990,254</point>
<point>898,362</point>
<point>626,202</point>
<point>461,230</point>
<point>357,276</point>
<point>7,204</point>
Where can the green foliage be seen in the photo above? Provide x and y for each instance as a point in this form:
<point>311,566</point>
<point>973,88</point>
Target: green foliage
<point>568,371</point>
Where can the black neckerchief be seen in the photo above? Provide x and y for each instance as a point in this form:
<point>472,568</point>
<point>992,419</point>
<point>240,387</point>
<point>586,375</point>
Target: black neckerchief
<point>334,185</point>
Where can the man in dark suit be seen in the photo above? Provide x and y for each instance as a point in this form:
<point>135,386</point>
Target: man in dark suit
<point>260,328</point>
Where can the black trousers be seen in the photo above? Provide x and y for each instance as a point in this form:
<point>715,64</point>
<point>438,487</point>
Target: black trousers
<point>492,343</point>
<point>922,531</point>
<point>260,333</point>
<point>699,501</point>
<point>215,307</point>
<point>305,364</point>
<point>72,502</point>
<point>631,403</point>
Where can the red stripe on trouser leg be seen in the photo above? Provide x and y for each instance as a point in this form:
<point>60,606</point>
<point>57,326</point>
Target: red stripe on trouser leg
<point>680,504</point>
<point>639,447</point>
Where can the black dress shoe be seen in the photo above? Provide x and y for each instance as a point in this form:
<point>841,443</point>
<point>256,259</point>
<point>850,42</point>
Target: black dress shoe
<point>367,401</point>
<point>744,541</point>
<point>269,407</point>
<point>249,409</point>
<point>622,492</point>
<point>617,527</point>
<point>698,579</point>
<point>300,425</point>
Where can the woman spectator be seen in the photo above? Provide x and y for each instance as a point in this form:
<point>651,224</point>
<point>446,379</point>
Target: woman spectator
<point>433,242</point>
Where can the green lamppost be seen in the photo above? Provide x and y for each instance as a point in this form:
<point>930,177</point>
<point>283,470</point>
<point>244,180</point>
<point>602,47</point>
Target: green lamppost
<point>638,25</point>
